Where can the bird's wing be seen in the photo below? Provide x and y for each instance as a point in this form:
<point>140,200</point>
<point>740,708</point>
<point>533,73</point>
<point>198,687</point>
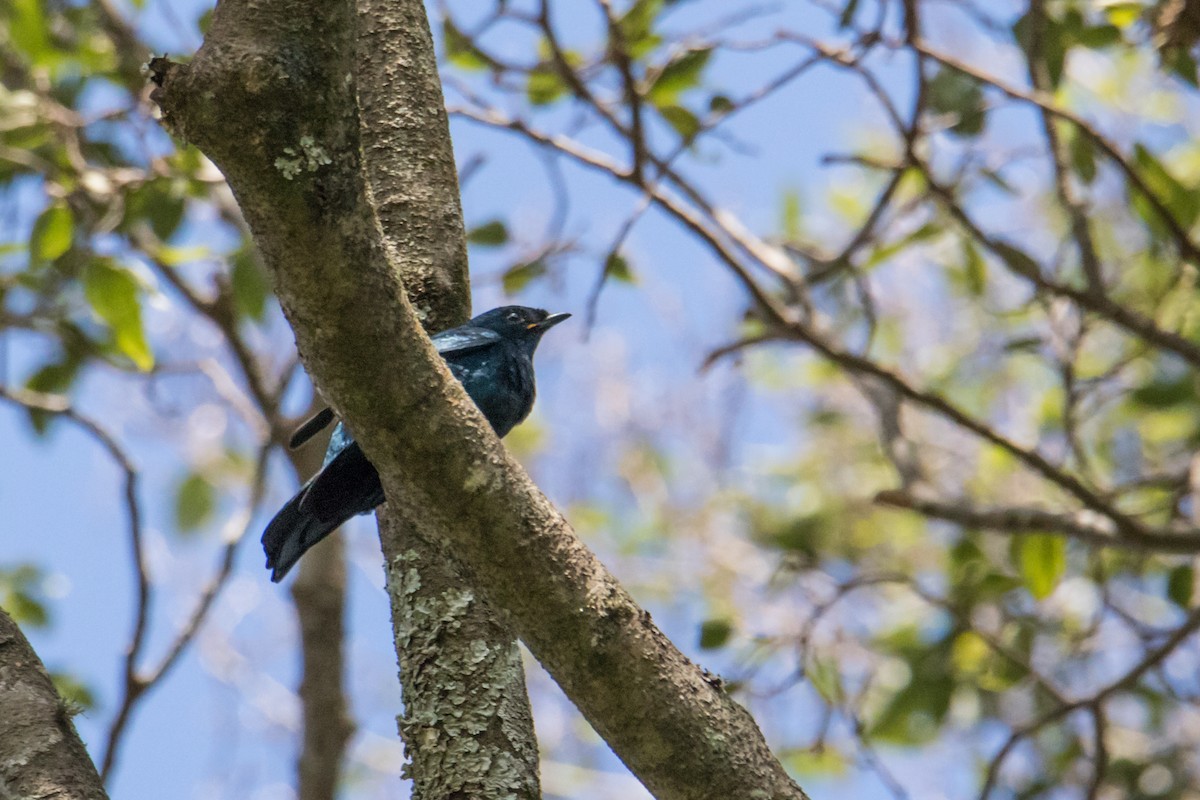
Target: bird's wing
<point>339,441</point>
<point>345,486</point>
<point>311,427</point>
<point>460,341</point>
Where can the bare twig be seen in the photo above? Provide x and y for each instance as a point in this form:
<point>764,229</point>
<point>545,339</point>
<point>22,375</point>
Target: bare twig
<point>1183,241</point>
<point>1122,684</point>
<point>133,684</point>
<point>1034,520</point>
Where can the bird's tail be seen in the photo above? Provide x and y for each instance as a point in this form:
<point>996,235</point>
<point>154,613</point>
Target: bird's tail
<point>291,533</point>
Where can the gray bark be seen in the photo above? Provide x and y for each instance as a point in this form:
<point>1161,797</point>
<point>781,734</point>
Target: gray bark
<point>319,594</point>
<point>269,97</point>
<point>41,755</point>
<point>467,726</point>
<point>320,597</point>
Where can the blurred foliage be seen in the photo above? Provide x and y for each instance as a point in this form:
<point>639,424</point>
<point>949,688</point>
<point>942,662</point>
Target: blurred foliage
<point>21,595</point>
<point>78,695</point>
<point>970,280</point>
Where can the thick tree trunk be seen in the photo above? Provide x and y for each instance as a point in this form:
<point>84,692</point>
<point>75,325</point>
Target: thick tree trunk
<point>269,98</point>
<point>467,726</point>
<point>41,755</point>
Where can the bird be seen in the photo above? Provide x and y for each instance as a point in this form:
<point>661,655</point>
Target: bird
<point>491,355</point>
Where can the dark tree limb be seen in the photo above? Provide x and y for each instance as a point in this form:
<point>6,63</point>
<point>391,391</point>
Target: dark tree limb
<point>41,755</point>
<point>416,199</point>
<point>467,725</point>
<point>270,97</point>
<point>319,594</point>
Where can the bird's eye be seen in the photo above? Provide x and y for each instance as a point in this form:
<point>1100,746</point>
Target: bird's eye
<point>513,316</point>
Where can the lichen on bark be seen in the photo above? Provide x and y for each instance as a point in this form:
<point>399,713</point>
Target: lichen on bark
<point>466,724</point>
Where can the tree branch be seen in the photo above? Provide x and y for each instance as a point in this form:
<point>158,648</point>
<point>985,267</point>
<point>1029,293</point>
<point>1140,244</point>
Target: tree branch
<point>467,724</point>
<point>285,134</point>
<point>1183,241</point>
<point>1036,520</point>
<point>41,755</point>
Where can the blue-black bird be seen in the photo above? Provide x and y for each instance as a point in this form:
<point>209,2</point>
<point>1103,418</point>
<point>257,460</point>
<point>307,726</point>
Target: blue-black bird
<point>492,356</point>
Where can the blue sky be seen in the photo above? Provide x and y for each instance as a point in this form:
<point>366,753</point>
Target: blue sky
<point>220,723</point>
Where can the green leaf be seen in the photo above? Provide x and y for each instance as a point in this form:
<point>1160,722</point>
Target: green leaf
<point>1181,582</point>
<point>250,286</point>
<point>804,534</point>
<point>680,74</point>
<point>974,268</point>
<point>460,50</point>
<point>637,27</point>
<point>195,502</point>
<point>915,712</point>
<point>53,378</point>
<point>519,276</point>
<point>52,233</point>
<point>25,609</point>
<point>1082,155</point>
<point>1043,560</point>
<point>1024,344</point>
<point>970,652</point>
<point>1179,62</point>
<point>823,676</point>
<point>929,230</point>
<point>1055,41</point>
<point>952,92</point>
<point>1165,392</point>
<point>1122,15</point>
<point>715,633</point>
<point>683,121</point>
<point>160,203</point>
<point>489,234</point>
<point>996,179</point>
<point>545,86</point>
<point>27,29</point>
<point>1017,260</point>
<point>1098,37</point>
<point>617,267</point>
<point>20,595</point>
<point>720,104</point>
<point>790,215</point>
<point>113,295</point>
<point>1182,201</point>
<point>824,762</point>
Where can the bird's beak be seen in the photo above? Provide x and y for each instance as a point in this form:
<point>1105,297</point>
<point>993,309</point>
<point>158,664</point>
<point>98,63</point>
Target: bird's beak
<point>550,321</point>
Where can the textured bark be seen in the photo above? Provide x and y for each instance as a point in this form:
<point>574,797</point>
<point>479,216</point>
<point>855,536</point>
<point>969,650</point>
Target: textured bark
<point>416,199</point>
<point>41,755</point>
<point>467,726</point>
<point>269,98</point>
<point>319,594</point>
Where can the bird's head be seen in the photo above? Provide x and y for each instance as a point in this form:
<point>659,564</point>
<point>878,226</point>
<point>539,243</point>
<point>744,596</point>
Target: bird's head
<point>518,323</point>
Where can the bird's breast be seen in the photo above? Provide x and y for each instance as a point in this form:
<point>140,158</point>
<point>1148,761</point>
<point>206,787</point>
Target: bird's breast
<point>501,384</point>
